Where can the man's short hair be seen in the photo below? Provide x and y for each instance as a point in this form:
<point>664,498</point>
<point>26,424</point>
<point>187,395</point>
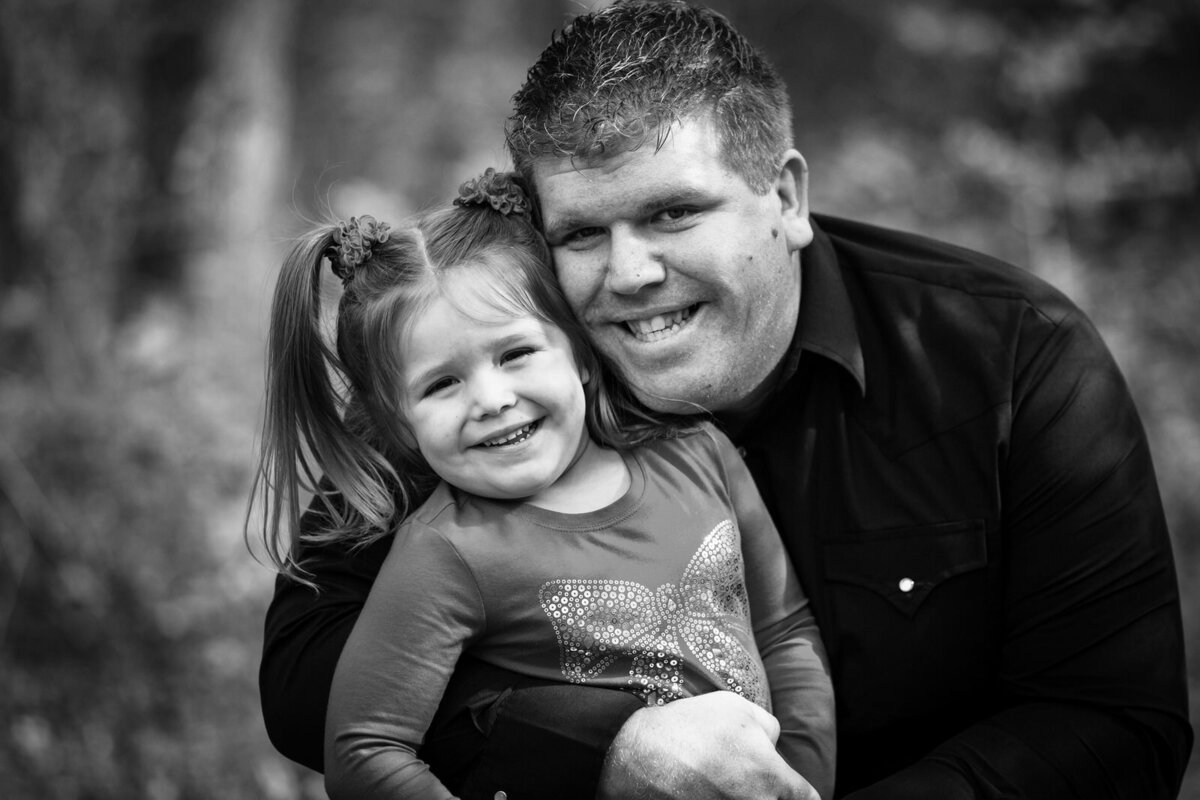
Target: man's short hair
<point>616,78</point>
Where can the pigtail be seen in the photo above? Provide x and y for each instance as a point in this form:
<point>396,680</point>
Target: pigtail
<point>305,431</point>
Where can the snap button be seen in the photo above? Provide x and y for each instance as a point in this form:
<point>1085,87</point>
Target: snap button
<point>907,584</point>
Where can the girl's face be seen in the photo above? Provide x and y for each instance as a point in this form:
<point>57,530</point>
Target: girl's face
<point>494,401</point>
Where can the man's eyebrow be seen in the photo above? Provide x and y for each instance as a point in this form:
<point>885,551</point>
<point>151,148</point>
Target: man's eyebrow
<point>557,226</point>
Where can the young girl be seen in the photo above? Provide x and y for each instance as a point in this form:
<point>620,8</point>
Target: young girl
<point>573,536</point>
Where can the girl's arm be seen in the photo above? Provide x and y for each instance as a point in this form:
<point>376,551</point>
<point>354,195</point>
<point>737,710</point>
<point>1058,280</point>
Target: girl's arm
<point>393,671</point>
<point>786,633</point>
<point>538,742</point>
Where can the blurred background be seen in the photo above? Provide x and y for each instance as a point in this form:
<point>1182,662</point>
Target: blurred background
<point>156,157</point>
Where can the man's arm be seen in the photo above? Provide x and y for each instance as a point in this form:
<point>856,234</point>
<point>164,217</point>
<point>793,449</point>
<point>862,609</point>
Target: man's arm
<point>1092,672</point>
<point>786,633</point>
<point>714,745</point>
<point>719,745</point>
<point>303,638</point>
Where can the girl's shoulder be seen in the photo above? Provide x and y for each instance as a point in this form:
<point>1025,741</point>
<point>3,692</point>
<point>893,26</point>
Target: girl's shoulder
<point>704,433</point>
<point>439,506</point>
<point>704,442</point>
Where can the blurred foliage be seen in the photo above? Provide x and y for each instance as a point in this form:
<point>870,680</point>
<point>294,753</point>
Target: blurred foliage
<point>155,158</point>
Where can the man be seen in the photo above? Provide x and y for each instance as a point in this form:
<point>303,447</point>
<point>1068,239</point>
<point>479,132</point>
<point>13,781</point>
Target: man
<point>946,446</point>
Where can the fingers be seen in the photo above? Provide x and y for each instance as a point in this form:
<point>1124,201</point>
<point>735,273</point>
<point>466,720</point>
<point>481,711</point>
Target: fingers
<point>716,746</point>
<point>718,707</point>
<point>792,785</point>
<point>765,720</point>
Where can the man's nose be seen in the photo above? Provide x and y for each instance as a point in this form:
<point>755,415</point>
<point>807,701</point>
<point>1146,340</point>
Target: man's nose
<point>491,394</point>
<point>633,262</point>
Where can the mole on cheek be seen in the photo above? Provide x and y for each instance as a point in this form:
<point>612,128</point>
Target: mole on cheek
<point>774,233</point>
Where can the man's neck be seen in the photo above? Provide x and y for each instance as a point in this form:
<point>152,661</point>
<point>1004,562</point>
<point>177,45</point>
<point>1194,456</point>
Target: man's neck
<point>736,419</point>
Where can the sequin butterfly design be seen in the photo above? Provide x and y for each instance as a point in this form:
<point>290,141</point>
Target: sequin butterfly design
<point>600,621</point>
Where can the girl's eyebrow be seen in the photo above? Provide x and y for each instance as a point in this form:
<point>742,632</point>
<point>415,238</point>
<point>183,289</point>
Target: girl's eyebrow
<point>425,376</point>
<point>517,337</point>
<point>444,365</point>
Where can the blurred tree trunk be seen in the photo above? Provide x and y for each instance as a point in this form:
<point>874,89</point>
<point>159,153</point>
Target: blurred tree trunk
<point>73,117</point>
<point>98,96</point>
<point>142,149</point>
<point>398,103</point>
<point>235,165</point>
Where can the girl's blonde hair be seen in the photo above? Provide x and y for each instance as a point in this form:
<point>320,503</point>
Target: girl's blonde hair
<point>333,424</point>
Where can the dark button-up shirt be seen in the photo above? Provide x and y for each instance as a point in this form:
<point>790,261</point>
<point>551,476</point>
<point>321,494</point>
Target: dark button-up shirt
<point>964,486</point>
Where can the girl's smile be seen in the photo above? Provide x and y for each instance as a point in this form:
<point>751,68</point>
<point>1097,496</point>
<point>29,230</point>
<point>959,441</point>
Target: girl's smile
<point>512,437</point>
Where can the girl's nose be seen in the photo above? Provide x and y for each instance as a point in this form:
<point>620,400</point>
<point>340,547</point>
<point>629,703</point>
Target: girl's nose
<point>492,394</point>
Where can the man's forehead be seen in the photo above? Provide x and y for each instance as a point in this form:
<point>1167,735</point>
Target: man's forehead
<point>547,171</point>
<point>689,133</point>
<point>687,154</point>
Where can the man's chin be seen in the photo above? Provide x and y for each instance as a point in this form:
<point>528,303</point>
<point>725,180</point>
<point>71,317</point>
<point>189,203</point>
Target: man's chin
<point>701,394</point>
<point>663,400</point>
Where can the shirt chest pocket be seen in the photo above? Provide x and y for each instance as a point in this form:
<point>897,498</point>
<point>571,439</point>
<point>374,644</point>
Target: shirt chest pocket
<point>906,567</point>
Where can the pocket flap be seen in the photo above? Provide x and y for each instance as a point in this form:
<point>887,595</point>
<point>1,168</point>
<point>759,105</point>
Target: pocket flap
<point>905,564</point>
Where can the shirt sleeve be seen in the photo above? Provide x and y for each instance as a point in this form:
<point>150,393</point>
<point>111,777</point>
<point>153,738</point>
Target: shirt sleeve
<point>1092,677</point>
<point>303,636</point>
<point>423,609</point>
<point>786,633</point>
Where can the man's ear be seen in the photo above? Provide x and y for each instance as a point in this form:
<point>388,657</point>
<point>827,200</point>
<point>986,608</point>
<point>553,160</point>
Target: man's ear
<point>791,187</point>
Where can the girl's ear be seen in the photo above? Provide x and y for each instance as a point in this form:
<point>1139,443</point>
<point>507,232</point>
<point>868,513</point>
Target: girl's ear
<point>585,374</point>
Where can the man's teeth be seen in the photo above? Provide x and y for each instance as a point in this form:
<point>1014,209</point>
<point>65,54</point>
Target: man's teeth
<point>658,326</point>
<point>519,435</point>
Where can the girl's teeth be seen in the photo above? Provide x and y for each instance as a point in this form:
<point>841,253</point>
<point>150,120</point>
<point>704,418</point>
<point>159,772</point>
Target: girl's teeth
<point>519,434</point>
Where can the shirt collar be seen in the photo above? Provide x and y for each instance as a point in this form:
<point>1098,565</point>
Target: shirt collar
<point>826,325</point>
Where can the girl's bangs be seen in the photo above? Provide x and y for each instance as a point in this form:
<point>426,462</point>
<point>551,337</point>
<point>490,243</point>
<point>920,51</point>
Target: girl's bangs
<point>503,288</point>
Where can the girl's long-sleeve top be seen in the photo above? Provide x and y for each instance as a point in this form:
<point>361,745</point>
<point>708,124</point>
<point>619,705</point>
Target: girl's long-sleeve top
<point>680,587</point>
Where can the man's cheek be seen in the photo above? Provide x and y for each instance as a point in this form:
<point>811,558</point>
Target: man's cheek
<point>579,281</point>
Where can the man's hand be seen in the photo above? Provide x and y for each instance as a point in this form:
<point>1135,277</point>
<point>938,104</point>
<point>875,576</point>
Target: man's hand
<point>716,746</point>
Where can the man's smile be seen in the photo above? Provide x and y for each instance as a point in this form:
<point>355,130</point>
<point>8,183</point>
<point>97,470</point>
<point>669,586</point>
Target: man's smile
<point>660,326</point>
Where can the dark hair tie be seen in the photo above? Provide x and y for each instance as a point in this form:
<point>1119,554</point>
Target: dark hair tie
<point>500,190</point>
<point>353,240</point>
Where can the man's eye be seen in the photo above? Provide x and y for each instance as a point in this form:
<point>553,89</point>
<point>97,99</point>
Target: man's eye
<point>516,355</point>
<point>677,214</point>
<point>582,237</point>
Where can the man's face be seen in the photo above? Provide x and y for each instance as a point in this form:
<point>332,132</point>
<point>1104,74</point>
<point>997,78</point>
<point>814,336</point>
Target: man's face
<point>680,272</point>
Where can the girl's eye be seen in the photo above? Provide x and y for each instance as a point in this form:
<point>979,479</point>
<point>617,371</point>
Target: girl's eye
<point>439,385</point>
<point>515,355</point>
